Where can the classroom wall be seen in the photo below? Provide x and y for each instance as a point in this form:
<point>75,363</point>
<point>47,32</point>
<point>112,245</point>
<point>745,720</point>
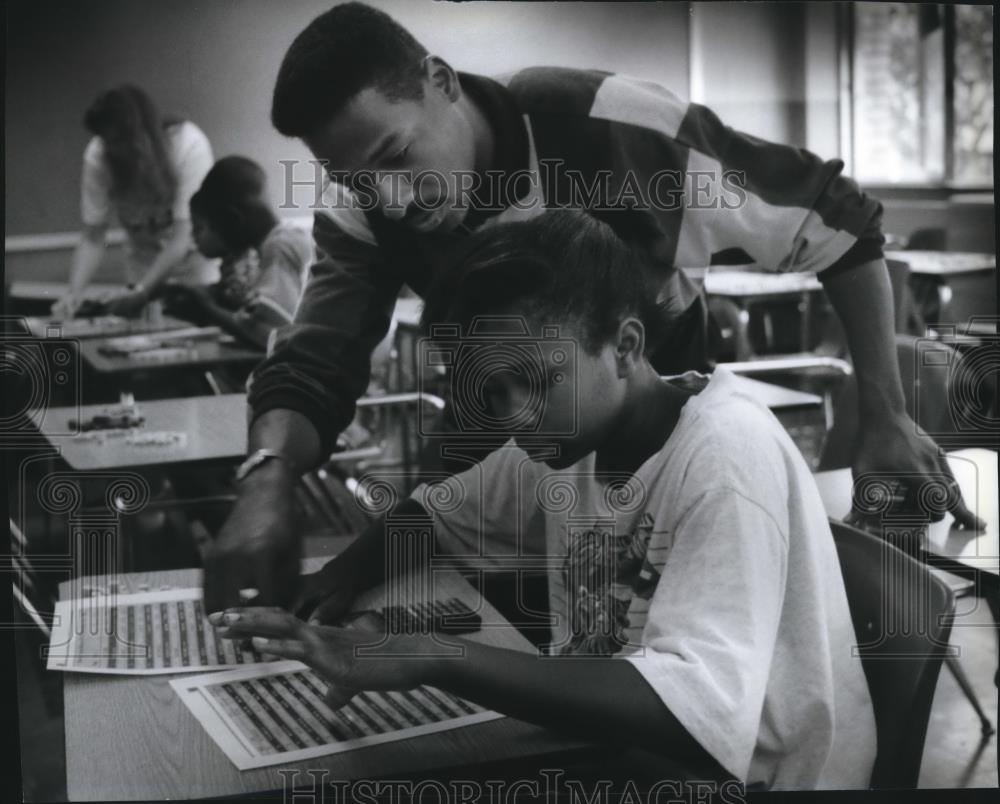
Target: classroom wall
<point>749,65</point>
<point>214,61</point>
<point>968,219</point>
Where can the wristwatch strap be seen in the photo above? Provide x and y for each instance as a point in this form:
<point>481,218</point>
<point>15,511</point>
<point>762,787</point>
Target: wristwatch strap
<point>257,458</point>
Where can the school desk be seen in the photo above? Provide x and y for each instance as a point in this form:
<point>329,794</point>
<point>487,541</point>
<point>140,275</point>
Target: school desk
<point>29,290</point>
<point>215,428</point>
<point>133,738</point>
<point>975,471</point>
<point>745,289</point>
<point>945,263</point>
<point>965,553</point>
<point>964,282</point>
<point>202,354</point>
<point>105,326</point>
<point>776,397</point>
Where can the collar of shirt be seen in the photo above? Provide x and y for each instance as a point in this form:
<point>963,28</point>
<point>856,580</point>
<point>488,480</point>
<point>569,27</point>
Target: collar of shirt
<point>510,139</point>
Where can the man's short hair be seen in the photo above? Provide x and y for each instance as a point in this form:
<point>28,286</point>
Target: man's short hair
<point>347,49</point>
<point>562,267</point>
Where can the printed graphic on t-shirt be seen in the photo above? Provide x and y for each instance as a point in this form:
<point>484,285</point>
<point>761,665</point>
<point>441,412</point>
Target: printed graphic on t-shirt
<point>238,280</point>
<point>603,572</point>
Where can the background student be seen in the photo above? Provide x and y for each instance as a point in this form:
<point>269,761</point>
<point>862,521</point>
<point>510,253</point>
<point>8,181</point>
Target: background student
<point>690,558</point>
<point>141,168</point>
<point>264,259</point>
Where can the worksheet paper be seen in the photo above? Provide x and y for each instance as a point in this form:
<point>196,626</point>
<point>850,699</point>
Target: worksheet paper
<point>147,633</point>
<point>273,714</point>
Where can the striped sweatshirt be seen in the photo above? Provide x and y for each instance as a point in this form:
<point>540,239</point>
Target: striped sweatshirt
<point>579,138</point>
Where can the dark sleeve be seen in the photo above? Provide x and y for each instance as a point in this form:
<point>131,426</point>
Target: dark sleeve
<point>320,364</point>
<point>867,249</point>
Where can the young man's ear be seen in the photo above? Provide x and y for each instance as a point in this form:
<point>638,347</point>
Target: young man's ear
<point>442,77</point>
<point>631,345</point>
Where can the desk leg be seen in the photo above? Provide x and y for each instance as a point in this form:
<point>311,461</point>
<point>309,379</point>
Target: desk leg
<point>805,326</point>
<point>744,350</point>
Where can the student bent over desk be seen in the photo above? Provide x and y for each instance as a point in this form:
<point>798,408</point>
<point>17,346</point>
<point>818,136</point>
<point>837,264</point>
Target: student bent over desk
<point>698,607</point>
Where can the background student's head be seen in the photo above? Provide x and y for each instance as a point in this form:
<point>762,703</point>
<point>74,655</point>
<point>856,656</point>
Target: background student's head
<point>364,95</point>
<point>136,147</point>
<point>230,212</point>
<point>566,272</point>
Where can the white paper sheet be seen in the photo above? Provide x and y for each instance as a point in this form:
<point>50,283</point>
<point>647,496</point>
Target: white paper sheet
<point>149,633</point>
<point>272,714</point>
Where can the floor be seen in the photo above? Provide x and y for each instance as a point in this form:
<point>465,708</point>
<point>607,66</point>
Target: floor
<point>955,753</point>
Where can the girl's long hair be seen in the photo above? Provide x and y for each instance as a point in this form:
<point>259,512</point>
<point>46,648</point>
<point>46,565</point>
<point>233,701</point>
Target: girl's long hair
<point>136,146</point>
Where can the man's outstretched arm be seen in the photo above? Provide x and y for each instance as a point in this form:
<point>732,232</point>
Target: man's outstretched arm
<point>800,213</point>
<point>888,440</point>
<point>300,398</point>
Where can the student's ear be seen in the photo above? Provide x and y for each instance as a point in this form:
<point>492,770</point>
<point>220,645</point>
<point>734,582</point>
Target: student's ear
<point>442,77</point>
<point>630,346</point>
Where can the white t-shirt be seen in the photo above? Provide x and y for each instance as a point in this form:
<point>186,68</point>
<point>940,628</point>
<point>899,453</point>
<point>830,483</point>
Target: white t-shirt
<point>147,225</point>
<point>712,570</point>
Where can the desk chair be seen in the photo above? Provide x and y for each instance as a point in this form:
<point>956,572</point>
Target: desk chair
<point>326,496</point>
<point>36,600</point>
<point>27,593</point>
<point>932,410</point>
<point>930,295</point>
<point>902,616</point>
<point>909,319</point>
<point>928,397</point>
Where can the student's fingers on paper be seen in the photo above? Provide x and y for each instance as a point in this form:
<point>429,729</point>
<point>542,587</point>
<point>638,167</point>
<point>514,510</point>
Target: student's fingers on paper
<point>338,696</point>
<point>258,621</point>
<point>285,648</point>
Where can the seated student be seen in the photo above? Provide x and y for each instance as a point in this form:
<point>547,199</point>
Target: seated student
<point>687,541</point>
<point>263,259</point>
<point>140,167</point>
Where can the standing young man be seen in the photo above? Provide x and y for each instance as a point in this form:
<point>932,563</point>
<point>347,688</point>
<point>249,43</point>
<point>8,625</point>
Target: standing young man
<point>406,138</point>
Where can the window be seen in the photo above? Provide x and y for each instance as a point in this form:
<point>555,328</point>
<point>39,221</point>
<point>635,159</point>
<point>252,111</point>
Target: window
<point>973,94</point>
<point>922,93</point>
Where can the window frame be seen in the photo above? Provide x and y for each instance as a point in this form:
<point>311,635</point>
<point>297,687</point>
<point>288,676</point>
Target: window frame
<point>846,49</point>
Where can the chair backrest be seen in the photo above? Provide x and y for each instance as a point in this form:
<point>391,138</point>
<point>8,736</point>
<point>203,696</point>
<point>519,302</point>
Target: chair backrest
<point>931,401</point>
<point>908,320</point>
<point>902,618</point>
<point>25,586</point>
<point>928,238</point>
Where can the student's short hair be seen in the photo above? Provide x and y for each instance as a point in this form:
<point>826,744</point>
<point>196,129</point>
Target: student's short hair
<point>562,267</point>
<point>347,49</point>
<point>231,198</point>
